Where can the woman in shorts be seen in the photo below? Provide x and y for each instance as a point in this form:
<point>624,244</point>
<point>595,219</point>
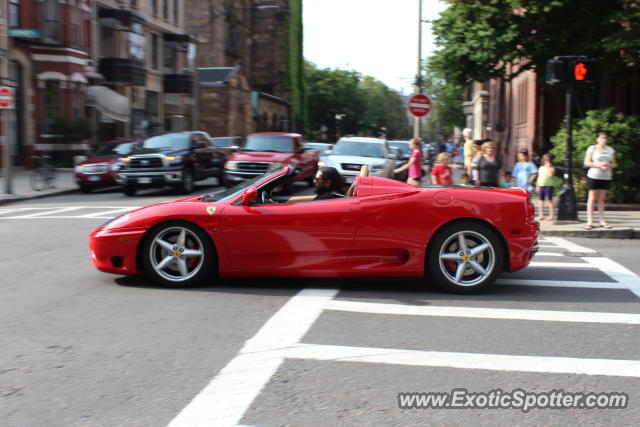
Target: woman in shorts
<point>600,159</point>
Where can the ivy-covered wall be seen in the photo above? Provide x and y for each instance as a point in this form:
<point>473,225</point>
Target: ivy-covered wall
<point>294,73</point>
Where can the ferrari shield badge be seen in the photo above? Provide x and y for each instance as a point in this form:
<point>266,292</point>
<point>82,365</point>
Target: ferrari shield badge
<point>211,210</point>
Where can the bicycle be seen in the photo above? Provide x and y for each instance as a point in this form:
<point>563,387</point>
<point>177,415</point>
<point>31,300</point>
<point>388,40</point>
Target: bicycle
<point>43,176</point>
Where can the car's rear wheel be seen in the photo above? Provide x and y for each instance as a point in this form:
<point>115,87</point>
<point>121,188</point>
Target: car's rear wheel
<point>178,254</point>
<point>129,190</point>
<point>465,257</point>
<point>186,186</point>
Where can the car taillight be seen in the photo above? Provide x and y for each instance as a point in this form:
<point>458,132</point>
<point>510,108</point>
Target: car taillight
<point>531,210</point>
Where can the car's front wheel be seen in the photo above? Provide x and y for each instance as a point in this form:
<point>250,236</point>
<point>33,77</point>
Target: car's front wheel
<point>178,254</point>
<point>465,257</point>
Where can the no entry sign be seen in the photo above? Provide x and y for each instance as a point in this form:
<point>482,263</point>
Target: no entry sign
<point>419,105</point>
<point>7,98</point>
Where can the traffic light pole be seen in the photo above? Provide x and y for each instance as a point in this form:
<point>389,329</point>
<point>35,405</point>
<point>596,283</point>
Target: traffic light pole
<point>417,130</point>
<point>568,206</point>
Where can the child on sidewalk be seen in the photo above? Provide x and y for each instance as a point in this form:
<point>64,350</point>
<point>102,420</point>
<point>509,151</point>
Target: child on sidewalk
<point>544,186</point>
<point>441,173</point>
<point>508,181</point>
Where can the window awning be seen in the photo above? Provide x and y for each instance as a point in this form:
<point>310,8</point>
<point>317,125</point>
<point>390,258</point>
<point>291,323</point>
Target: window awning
<point>215,77</point>
<point>110,103</point>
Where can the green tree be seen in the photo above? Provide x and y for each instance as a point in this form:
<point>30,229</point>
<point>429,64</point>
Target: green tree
<point>446,98</point>
<point>383,111</point>
<point>481,39</point>
<point>624,137</point>
<point>334,92</point>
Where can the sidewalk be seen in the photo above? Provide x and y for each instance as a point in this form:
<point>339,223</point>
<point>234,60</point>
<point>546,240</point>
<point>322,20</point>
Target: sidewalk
<point>22,190</point>
<point>626,223</point>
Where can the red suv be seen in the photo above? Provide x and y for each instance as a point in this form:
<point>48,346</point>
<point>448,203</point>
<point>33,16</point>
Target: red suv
<point>267,151</point>
<point>100,169</point>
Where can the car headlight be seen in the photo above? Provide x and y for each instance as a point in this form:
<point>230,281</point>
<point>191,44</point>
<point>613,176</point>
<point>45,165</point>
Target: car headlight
<point>78,169</point>
<point>174,159</point>
<point>231,165</point>
<point>276,165</point>
<point>125,159</point>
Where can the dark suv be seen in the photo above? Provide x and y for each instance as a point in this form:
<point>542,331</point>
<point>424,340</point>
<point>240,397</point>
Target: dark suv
<point>175,159</point>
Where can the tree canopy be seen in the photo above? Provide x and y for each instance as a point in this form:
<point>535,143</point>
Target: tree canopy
<point>479,39</point>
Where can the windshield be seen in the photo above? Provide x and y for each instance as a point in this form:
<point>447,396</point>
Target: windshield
<point>403,146</point>
<point>356,148</point>
<point>320,147</point>
<point>115,149</point>
<point>234,191</point>
<point>170,140</point>
<point>276,144</point>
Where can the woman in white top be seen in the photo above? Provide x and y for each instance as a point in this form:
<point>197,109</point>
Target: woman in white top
<point>600,159</point>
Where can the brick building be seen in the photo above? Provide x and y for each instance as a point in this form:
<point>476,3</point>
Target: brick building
<point>241,63</point>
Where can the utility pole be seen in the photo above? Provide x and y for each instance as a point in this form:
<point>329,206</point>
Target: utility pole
<point>417,131</point>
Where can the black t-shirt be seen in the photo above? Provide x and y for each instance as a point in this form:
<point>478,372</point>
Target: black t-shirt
<point>329,195</point>
<point>488,171</point>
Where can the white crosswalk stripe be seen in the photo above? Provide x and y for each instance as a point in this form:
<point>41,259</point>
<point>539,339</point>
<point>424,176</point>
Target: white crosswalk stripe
<point>66,212</point>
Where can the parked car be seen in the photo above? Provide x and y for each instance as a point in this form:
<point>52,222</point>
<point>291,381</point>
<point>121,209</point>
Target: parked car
<point>175,159</point>
<point>268,151</point>
<point>404,148</point>
<point>100,168</point>
<point>350,153</point>
<point>463,238</point>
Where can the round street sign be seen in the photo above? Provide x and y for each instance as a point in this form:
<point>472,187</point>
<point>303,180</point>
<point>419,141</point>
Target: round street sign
<point>419,105</point>
<point>7,98</point>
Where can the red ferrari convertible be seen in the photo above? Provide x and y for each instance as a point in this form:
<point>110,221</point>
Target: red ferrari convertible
<point>460,237</point>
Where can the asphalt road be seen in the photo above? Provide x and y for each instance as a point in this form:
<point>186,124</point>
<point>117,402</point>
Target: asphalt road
<point>85,348</point>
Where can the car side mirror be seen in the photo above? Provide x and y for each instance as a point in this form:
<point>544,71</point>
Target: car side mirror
<point>249,195</point>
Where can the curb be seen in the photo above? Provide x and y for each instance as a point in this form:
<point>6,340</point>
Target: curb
<point>623,233</point>
<point>7,200</point>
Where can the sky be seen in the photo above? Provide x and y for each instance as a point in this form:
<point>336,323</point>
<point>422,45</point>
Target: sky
<point>378,38</point>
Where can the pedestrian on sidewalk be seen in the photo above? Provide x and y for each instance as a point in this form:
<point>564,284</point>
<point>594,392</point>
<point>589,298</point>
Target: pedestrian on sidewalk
<point>601,160</point>
<point>441,173</point>
<point>508,180</point>
<point>525,171</point>
<point>414,164</point>
<point>544,187</point>
<point>489,166</point>
<point>477,152</point>
<point>468,151</point>
<point>465,180</point>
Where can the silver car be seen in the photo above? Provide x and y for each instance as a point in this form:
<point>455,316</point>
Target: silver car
<point>350,153</point>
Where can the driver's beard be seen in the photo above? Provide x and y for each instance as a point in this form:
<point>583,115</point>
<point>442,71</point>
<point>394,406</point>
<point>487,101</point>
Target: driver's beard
<point>322,190</point>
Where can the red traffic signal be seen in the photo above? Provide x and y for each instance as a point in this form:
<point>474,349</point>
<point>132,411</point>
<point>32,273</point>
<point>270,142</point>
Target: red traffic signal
<point>583,71</point>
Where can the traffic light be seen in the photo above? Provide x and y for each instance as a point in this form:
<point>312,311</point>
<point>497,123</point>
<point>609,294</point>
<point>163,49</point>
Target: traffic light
<point>571,70</point>
<point>583,72</point>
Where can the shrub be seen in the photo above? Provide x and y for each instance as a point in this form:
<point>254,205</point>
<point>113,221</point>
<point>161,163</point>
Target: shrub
<point>624,137</point>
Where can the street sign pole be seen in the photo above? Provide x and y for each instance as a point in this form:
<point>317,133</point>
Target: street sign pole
<point>417,131</point>
<point>568,205</point>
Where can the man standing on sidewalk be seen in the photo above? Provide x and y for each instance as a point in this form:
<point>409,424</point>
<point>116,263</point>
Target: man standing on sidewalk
<point>525,172</point>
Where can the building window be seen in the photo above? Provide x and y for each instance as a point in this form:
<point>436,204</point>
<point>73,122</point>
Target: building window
<point>154,51</point>
<point>176,6</point>
<point>52,103</point>
<point>77,101</point>
<point>51,17</point>
<point>154,7</point>
<point>134,3</point>
<point>170,50</point>
<point>165,9</point>
<point>14,13</point>
<point>107,42</point>
<point>153,114</point>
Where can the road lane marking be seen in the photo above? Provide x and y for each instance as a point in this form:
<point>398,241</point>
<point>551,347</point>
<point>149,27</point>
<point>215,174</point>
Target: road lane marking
<point>561,283</point>
<point>549,254</point>
<point>617,272</point>
<point>559,264</point>
<point>103,214</point>
<point>48,213</point>
<point>484,313</point>
<point>492,362</point>
<point>225,399</point>
<point>566,244</point>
